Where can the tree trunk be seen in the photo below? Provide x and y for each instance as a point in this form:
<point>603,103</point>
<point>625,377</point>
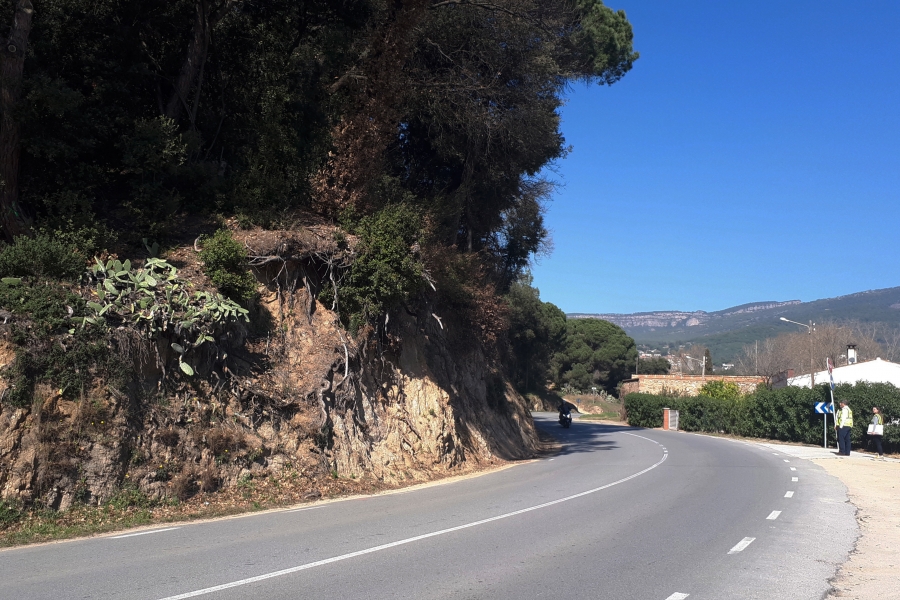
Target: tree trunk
<point>193,63</point>
<point>12,63</point>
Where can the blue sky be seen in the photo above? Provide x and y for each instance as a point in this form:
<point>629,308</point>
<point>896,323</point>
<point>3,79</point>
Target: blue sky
<point>752,153</point>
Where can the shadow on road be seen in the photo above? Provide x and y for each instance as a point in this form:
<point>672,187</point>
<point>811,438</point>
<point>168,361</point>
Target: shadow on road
<point>580,437</point>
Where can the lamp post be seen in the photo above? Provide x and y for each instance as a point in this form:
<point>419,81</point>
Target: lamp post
<point>702,363</point>
<point>812,369</point>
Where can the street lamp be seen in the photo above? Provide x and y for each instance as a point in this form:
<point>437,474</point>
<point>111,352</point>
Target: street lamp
<point>812,368</point>
<point>702,363</point>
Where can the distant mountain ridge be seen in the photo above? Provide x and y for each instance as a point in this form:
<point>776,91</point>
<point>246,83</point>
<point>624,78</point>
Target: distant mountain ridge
<point>675,318</point>
<point>726,331</point>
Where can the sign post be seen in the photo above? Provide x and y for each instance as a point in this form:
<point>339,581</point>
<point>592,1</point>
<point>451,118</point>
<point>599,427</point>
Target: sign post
<point>830,366</point>
<point>823,408</point>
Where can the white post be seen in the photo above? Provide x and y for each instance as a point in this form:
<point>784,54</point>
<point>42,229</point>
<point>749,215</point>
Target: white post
<point>831,391</point>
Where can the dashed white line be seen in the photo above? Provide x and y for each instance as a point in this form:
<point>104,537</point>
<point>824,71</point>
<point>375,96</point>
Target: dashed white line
<point>117,537</point>
<point>793,468</point>
<point>786,460</point>
<point>741,545</point>
<point>795,479</point>
<point>789,494</point>
<point>774,454</point>
<point>773,515</point>
<point>342,557</point>
<point>678,596</point>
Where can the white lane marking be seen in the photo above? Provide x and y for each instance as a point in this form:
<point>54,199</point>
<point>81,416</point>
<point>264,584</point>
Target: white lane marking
<point>789,494</point>
<point>795,479</point>
<point>773,515</point>
<point>307,508</point>
<point>118,537</point>
<point>775,454</point>
<point>677,596</point>
<point>741,545</point>
<point>793,468</point>
<point>334,559</point>
<point>786,460</point>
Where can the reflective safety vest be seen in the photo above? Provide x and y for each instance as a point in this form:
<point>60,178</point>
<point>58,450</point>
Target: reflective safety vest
<point>845,417</point>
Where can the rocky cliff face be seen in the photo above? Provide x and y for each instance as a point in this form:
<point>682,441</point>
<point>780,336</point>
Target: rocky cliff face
<point>398,406</point>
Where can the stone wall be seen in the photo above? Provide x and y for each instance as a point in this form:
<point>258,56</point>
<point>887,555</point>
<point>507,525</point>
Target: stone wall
<point>688,385</point>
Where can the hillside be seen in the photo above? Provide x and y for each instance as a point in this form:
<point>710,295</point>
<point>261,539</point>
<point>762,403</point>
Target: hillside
<point>271,242</point>
<point>725,332</point>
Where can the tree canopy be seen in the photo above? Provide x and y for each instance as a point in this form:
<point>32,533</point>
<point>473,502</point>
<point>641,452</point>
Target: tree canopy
<point>537,331</point>
<point>126,113</point>
<point>597,353</point>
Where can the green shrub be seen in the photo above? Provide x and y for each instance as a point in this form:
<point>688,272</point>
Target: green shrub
<point>785,414</point>
<point>225,263</point>
<point>386,272</point>
<point>43,314</point>
<point>129,496</point>
<point>645,410</point>
<point>42,256</point>
<point>9,514</point>
<point>719,388</point>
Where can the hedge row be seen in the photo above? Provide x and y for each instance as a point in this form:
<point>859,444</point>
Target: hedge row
<point>785,414</point>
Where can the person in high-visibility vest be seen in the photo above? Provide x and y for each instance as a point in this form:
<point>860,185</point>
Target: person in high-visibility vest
<point>843,423</point>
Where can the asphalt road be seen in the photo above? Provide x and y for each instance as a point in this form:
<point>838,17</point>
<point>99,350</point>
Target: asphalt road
<point>620,513</point>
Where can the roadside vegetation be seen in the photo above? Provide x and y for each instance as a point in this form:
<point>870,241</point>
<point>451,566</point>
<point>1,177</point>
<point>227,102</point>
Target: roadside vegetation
<point>786,414</point>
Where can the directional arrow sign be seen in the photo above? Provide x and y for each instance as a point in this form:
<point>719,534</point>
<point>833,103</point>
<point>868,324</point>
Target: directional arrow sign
<point>823,407</point>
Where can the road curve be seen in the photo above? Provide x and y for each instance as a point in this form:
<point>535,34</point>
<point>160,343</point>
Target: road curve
<point>619,513</point>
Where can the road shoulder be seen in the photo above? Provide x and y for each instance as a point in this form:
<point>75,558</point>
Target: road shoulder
<point>873,487</point>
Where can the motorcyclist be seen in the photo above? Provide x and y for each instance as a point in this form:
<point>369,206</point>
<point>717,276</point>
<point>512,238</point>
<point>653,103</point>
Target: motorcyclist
<point>565,408</point>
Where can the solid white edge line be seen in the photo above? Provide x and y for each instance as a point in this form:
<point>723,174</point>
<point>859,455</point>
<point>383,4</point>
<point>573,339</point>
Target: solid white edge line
<point>118,537</point>
<point>789,494</point>
<point>678,596</point>
<point>795,479</point>
<point>741,545</point>
<point>773,515</point>
<point>417,538</point>
<point>302,509</point>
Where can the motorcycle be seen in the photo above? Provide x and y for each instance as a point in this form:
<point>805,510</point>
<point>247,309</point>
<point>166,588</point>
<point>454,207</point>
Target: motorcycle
<point>565,419</point>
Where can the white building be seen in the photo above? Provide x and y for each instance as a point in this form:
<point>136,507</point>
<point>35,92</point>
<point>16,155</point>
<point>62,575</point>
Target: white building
<point>872,371</point>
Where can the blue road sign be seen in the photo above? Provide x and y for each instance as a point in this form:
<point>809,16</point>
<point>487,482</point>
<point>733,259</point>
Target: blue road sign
<point>824,407</point>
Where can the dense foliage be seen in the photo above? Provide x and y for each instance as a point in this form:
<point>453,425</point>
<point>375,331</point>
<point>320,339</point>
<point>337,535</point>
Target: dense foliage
<point>132,112</point>
<point>656,365</point>
<point>388,269</point>
<point>597,353</point>
<point>225,263</point>
<point>784,414</point>
<point>74,334</point>
<point>537,330</point>
<point>41,256</point>
<point>720,388</point>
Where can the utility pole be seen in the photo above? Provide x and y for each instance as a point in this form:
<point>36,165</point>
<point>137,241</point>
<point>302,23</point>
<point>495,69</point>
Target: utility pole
<point>812,365</point>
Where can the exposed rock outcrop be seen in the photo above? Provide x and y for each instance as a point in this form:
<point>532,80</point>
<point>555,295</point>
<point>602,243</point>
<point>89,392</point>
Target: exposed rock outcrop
<point>399,405</point>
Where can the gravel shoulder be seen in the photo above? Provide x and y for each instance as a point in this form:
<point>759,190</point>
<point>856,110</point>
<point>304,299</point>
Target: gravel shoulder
<point>874,566</point>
